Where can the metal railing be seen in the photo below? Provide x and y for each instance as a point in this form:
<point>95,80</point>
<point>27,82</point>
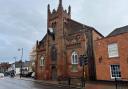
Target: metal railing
<point>121,84</point>
<point>73,81</point>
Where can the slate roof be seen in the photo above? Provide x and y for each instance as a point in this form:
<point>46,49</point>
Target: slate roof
<point>118,31</point>
<point>18,64</point>
<point>26,64</point>
<point>74,27</point>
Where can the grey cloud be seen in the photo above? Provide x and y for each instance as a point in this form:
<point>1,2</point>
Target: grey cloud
<point>22,22</point>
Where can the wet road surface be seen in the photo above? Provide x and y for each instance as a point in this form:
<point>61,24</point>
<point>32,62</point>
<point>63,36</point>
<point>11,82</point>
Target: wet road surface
<point>11,83</point>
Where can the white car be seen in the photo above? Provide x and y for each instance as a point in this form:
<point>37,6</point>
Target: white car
<point>1,75</point>
<point>33,75</point>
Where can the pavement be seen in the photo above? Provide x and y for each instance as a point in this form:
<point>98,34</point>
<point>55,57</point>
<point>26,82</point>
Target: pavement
<point>88,85</point>
<point>15,83</point>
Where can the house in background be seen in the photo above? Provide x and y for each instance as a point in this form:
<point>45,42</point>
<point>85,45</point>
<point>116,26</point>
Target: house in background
<point>16,67</point>
<point>111,55</point>
<point>59,51</point>
<point>26,67</point>
<point>4,67</point>
<point>32,57</point>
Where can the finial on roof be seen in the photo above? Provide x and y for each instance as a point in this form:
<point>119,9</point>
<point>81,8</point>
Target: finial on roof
<point>69,10</point>
<point>48,8</point>
<point>60,3</point>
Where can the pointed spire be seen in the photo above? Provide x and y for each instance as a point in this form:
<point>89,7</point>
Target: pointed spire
<point>60,7</point>
<point>69,10</point>
<point>60,3</point>
<point>48,6</point>
<point>37,44</point>
<point>49,9</point>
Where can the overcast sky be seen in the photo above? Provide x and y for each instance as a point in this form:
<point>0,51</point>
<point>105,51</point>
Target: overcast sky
<point>22,22</point>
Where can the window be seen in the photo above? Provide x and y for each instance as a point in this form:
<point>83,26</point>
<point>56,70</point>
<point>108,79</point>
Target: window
<point>74,58</point>
<point>115,71</point>
<point>113,50</point>
<point>42,61</point>
<point>74,61</point>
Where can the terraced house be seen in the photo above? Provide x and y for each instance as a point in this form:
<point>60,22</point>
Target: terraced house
<point>112,55</point>
<point>59,51</point>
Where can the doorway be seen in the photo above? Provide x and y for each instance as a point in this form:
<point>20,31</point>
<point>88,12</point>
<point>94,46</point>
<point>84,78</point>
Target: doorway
<point>54,73</point>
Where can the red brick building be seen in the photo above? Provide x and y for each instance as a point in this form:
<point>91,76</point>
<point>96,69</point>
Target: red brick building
<point>112,55</point>
<point>59,51</point>
<point>4,67</point>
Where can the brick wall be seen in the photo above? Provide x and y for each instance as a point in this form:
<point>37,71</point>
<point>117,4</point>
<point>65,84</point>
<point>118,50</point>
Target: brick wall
<point>103,61</point>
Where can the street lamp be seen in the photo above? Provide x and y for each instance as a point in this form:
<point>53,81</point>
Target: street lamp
<point>21,49</point>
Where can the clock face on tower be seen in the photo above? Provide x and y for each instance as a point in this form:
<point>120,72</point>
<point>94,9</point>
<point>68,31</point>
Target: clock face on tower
<point>50,30</point>
<point>51,33</point>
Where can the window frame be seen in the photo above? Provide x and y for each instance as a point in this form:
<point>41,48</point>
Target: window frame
<point>113,50</point>
<point>42,61</point>
<point>118,75</point>
<point>74,58</point>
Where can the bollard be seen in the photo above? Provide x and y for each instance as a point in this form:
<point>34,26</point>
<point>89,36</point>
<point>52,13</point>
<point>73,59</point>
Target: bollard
<point>69,81</point>
<point>116,82</point>
<point>82,82</point>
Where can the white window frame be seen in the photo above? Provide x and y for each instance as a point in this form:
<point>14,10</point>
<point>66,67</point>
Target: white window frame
<point>42,61</point>
<point>113,50</point>
<point>115,71</point>
<point>74,58</point>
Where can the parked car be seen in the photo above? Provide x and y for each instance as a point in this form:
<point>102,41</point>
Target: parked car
<point>33,75</point>
<point>1,75</point>
<point>6,73</point>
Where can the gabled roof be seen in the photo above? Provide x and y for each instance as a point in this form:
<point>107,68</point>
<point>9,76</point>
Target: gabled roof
<point>26,64</point>
<point>118,31</point>
<point>74,27</point>
<point>43,40</point>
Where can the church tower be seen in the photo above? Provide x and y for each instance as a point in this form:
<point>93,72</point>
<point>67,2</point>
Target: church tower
<point>55,38</point>
<point>58,16</point>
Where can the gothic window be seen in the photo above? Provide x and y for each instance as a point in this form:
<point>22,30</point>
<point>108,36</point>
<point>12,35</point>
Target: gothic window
<point>53,54</point>
<point>74,61</point>
<point>42,61</point>
<point>54,25</point>
<point>74,58</point>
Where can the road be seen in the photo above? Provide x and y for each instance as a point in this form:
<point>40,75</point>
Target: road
<point>11,83</point>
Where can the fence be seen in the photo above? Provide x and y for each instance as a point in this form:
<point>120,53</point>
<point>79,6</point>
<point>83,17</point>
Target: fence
<point>121,84</point>
<point>74,81</point>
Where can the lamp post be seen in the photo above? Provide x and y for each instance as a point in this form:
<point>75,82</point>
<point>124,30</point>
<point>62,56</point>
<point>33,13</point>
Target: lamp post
<point>21,49</point>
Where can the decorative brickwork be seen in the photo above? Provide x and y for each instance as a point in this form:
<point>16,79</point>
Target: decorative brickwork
<point>63,37</point>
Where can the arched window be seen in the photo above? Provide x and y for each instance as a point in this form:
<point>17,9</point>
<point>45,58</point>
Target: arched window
<point>74,58</point>
<point>42,61</point>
